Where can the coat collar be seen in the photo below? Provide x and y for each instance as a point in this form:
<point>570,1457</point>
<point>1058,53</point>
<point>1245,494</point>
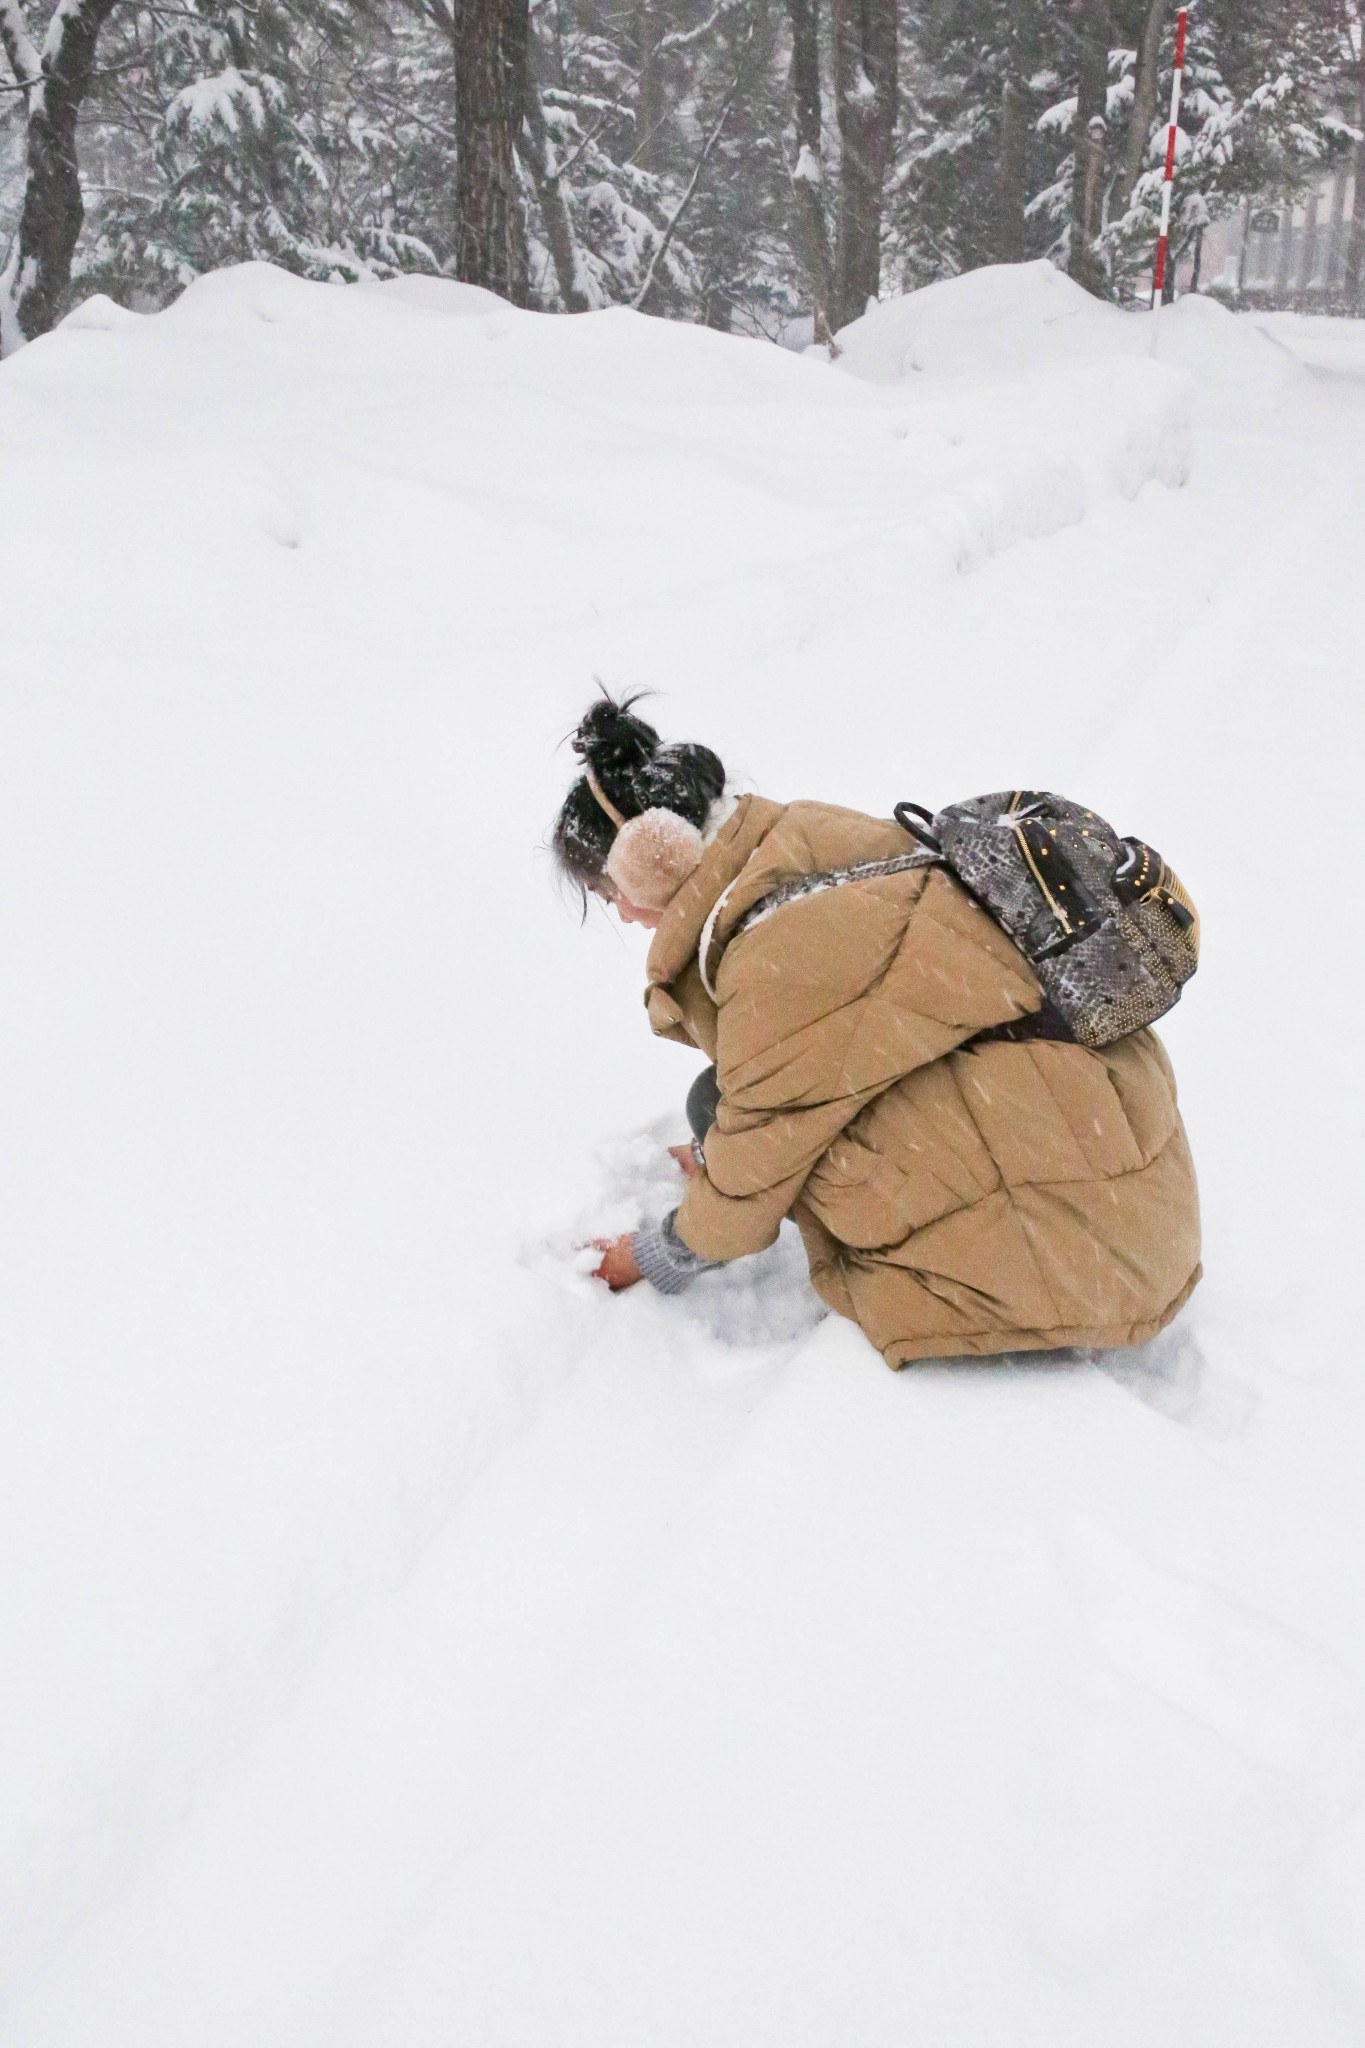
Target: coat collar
<point>676,939</point>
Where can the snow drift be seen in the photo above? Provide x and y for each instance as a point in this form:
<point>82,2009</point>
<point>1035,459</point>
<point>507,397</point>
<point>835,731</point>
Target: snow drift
<point>1030,321</point>
<point>404,1641</point>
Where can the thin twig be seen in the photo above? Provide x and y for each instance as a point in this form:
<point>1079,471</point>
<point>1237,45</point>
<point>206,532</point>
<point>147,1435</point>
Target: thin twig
<point>707,147</point>
<point>587,141</point>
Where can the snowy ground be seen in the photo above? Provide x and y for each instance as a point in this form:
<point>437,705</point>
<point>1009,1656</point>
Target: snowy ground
<point>406,1644</point>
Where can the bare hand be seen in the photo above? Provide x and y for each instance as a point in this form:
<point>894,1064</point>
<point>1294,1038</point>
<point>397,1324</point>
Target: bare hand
<point>685,1157</point>
<point>618,1267</point>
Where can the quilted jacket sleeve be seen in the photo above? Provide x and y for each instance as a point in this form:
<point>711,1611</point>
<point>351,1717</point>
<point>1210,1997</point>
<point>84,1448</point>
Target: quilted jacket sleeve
<point>720,1226</point>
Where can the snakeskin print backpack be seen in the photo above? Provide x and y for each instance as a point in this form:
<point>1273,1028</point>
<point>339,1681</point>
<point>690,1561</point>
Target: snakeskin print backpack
<point>1103,922</point>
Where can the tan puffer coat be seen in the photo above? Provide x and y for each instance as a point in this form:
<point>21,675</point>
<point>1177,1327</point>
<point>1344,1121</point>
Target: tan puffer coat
<point>1004,1198</point>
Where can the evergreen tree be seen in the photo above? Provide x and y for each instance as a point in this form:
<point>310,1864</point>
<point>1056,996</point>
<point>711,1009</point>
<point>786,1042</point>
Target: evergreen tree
<point>232,117</point>
<point>974,155</point>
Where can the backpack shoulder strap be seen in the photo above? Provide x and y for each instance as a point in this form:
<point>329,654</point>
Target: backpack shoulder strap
<point>792,891</point>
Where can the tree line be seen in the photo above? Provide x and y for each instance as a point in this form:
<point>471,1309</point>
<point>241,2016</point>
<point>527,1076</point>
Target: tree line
<point>746,163</point>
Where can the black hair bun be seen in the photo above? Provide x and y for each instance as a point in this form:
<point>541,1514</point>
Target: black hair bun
<point>617,746</point>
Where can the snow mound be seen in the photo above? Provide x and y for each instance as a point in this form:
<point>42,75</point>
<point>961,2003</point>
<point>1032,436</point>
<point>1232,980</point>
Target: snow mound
<point>440,295</point>
<point>1013,319</point>
<point>98,315</point>
<point>1053,371</point>
<point>949,478</point>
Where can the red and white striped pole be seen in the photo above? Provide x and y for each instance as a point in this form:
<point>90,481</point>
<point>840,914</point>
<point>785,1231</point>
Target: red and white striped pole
<point>1159,272</point>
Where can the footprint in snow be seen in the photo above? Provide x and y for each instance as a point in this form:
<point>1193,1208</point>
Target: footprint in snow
<point>1173,1374</point>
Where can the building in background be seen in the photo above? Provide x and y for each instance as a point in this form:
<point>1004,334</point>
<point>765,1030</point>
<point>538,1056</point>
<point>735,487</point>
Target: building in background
<point>1276,252</point>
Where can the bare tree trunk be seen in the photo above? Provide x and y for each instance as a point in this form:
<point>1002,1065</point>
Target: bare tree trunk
<point>1335,237</point>
<point>649,104</point>
<point>54,82</point>
<point>865,85</point>
<point>1243,253</point>
<point>1284,255</point>
<point>542,160</point>
<point>808,179</point>
<point>1145,81</point>
<point>1355,240</point>
<point>1308,249</point>
<point>1092,25</point>
<point>490,44</point>
<point>1011,192</point>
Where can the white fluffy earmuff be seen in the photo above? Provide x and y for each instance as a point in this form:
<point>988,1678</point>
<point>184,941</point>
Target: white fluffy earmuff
<point>652,856</point>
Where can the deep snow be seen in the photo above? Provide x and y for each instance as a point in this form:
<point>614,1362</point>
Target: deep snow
<point>405,1643</point>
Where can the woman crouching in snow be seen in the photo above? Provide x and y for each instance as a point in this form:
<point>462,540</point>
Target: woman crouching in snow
<point>958,1195</point>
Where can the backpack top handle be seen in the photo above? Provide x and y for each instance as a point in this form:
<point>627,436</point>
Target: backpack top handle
<point>905,815</point>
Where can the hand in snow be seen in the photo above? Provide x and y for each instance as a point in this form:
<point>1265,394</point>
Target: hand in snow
<point>618,1267</point>
<point>685,1157</point>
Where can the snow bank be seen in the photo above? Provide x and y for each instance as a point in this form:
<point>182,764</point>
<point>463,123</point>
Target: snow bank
<point>1029,318</point>
<point>1325,346</point>
<point>404,1641</point>
<point>998,339</point>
